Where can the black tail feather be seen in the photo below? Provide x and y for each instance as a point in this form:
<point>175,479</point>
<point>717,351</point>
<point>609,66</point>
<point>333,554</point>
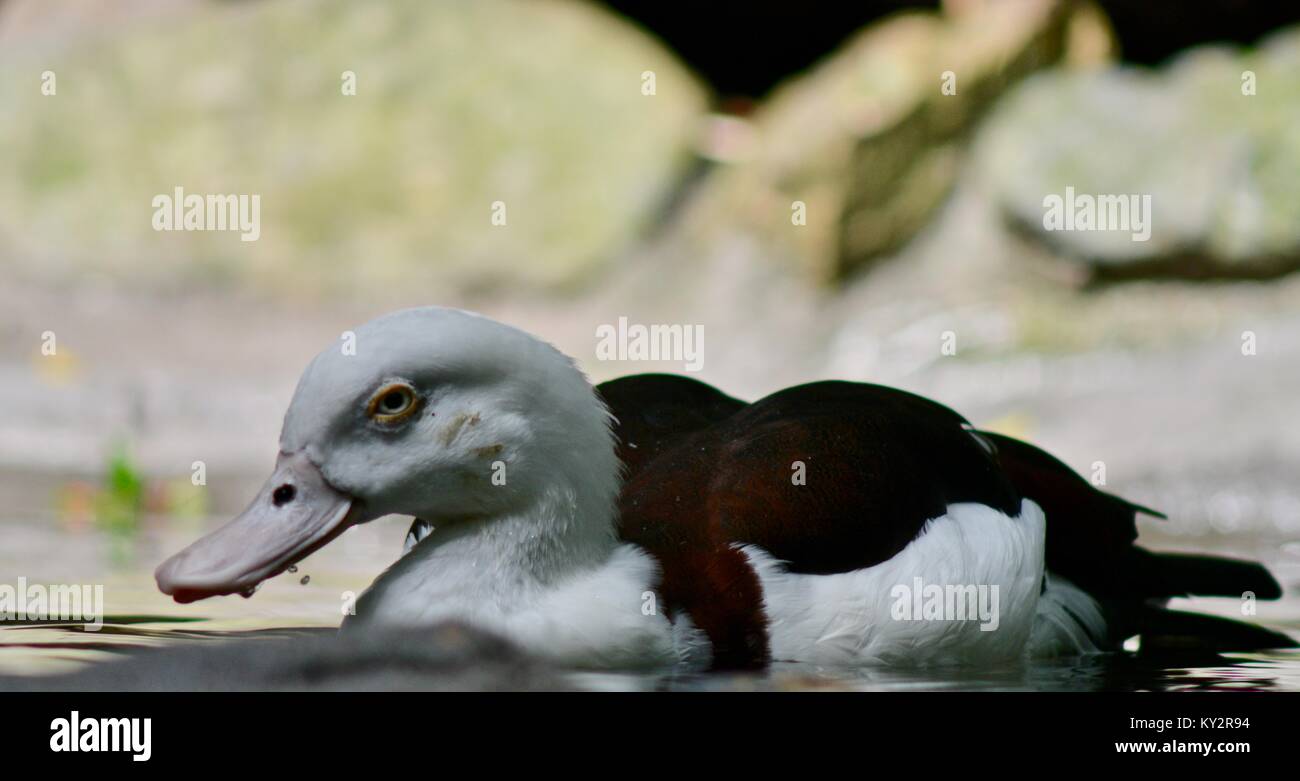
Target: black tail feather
<point>1145,510</point>
<point>1165,630</point>
<point>1179,575</point>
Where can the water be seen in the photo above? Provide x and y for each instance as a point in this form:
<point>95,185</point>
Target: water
<point>311,601</point>
<point>1271,671</point>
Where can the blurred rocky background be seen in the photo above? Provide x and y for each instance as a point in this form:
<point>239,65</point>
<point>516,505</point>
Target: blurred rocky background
<point>843,194</point>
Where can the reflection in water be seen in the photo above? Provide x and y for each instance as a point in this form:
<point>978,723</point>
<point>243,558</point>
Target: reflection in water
<point>195,668</point>
<point>1272,671</point>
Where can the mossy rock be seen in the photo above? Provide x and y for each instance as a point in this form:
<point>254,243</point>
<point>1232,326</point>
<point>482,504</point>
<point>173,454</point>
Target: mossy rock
<point>458,105</point>
<point>871,142</point>
<point>1219,165</point>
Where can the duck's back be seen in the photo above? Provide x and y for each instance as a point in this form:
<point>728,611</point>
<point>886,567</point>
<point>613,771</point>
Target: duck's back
<point>814,491</point>
<point>828,478</point>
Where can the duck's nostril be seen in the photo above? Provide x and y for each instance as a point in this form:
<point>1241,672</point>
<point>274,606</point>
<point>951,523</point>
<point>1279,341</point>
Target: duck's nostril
<point>283,495</point>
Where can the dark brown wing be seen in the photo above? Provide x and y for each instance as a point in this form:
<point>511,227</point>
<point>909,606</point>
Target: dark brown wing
<point>876,463</point>
<point>829,477</point>
<point>654,411</point>
<point>707,472</point>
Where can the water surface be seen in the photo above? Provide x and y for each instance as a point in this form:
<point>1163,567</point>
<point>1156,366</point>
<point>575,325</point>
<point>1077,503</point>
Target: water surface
<point>136,615</point>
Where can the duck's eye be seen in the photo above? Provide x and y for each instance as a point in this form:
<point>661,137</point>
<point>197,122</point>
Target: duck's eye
<point>393,403</point>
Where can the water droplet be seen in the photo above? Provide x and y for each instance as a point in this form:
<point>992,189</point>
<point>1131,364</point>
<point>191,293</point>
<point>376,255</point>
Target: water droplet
<point>305,579</point>
<point>293,568</point>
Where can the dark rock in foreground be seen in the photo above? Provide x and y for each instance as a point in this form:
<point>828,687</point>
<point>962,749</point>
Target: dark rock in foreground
<point>448,657</point>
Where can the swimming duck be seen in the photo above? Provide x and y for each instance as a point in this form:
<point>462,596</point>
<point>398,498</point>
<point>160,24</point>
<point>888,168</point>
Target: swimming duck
<point>654,520</point>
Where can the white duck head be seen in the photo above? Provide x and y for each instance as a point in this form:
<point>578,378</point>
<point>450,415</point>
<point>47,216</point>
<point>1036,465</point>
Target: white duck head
<point>474,426</point>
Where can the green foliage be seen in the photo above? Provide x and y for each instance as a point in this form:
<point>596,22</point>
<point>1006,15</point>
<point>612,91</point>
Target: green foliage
<point>119,506</point>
